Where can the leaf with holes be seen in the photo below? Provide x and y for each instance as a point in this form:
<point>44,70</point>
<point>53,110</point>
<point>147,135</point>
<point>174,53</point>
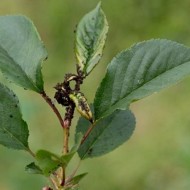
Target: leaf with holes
<point>107,134</point>
<point>91,34</point>
<point>13,129</point>
<point>145,68</point>
<point>21,52</point>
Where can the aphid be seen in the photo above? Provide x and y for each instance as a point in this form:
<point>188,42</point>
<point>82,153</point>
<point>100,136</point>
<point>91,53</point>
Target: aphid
<point>81,105</point>
<point>61,95</point>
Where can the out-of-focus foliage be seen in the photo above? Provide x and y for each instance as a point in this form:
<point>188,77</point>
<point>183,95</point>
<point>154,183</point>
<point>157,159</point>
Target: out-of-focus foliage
<point>157,156</point>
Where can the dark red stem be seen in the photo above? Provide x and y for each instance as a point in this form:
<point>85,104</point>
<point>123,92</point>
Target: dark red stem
<point>49,101</point>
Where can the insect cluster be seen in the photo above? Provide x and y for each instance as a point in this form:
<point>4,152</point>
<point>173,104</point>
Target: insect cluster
<point>71,98</point>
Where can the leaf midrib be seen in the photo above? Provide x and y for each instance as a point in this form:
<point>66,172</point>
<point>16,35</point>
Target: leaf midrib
<point>94,41</point>
<point>96,139</point>
<point>127,95</point>
<point>14,62</point>
<point>13,136</point>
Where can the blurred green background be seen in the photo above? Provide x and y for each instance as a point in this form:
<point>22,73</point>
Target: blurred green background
<point>157,157</point>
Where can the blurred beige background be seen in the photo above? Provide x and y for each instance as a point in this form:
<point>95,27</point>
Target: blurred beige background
<point>157,157</point>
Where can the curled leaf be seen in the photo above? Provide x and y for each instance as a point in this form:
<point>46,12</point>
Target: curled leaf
<point>82,105</point>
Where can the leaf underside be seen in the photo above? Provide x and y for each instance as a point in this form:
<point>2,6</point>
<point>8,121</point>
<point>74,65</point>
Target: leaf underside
<point>135,73</point>
<point>21,52</point>
<point>108,133</point>
<point>13,129</point>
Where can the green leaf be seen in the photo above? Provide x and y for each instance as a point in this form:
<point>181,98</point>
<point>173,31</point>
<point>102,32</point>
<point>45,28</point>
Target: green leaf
<point>13,129</point>
<point>108,133</point>
<point>145,68</point>
<point>21,52</point>
<point>32,168</point>
<point>91,34</point>
<point>48,161</point>
<point>67,157</point>
<point>75,180</point>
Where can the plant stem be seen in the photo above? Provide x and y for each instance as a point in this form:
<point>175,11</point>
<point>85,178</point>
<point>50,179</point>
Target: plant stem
<point>67,123</point>
<point>62,176</point>
<point>62,97</point>
<point>31,153</point>
<point>66,140</point>
<point>54,181</point>
<point>49,101</point>
<point>73,173</point>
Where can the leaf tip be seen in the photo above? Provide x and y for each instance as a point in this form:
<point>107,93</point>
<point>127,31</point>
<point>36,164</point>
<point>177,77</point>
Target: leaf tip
<point>99,5</point>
